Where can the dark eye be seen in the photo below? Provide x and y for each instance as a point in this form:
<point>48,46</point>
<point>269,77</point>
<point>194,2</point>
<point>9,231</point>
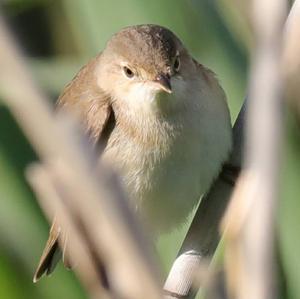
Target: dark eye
<point>128,72</point>
<point>176,65</point>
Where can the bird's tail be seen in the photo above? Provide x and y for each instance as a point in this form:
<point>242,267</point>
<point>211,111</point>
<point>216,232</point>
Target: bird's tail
<point>51,254</point>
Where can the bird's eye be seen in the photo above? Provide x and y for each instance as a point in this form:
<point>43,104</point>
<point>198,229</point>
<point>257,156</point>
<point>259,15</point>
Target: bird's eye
<point>176,64</point>
<point>128,72</point>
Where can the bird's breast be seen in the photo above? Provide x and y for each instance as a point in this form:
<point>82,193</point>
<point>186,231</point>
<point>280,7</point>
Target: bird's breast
<point>166,166</point>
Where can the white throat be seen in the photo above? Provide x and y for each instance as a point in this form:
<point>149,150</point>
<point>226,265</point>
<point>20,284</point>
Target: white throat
<point>150,98</point>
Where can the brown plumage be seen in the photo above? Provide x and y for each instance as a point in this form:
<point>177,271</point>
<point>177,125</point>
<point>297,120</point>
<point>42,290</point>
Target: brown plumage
<point>87,100</point>
<point>162,120</point>
<point>51,253</point>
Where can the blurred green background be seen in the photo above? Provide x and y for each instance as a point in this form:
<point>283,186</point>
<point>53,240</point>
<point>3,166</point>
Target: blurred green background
<point>58,36</point>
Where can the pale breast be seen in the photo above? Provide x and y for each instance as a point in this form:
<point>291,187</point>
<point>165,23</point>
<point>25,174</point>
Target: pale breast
<point>167,170</point>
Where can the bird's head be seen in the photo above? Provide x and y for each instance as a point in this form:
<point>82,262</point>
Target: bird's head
<point>145,66</point>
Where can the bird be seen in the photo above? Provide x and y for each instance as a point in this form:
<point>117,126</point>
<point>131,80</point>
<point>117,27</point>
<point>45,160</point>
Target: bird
<point>162,120</point>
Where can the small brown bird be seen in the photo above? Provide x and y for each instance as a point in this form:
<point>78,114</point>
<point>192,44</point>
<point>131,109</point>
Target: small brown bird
<point>163,119</point>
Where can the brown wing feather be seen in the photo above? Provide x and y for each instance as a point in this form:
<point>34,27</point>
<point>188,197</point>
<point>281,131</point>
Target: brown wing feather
<point>83,97</point>
<point>87,100</point>
<point>47,261</point>
<point>208,75</point>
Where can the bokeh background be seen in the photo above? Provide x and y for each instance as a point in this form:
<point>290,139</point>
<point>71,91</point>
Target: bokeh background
<point>58,37</point>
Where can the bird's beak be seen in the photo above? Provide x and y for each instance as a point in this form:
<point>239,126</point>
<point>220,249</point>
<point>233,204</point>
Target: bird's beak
<point>164,82</point>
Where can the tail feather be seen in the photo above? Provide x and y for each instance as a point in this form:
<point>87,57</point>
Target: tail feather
<point>51,254</point>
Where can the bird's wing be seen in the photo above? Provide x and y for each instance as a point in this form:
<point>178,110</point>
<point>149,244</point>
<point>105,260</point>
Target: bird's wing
<point>208,75</point>
<point>89,102</point>
<point>83,97</point>
<point>211,79</point>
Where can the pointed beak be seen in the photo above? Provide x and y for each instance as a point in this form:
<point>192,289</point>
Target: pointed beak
<point>164,82</point>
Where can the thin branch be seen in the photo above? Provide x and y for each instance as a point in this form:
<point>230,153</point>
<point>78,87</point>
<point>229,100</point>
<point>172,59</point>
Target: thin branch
<point>49,199</point>
<point>203,236</point>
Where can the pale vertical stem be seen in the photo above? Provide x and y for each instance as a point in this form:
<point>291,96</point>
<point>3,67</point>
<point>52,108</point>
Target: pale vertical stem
<point>250,233</point>
<point>263,147</point>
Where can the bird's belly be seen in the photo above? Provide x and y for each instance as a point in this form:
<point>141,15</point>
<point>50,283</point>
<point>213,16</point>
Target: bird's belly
<point>164,183</point>
<point>174,193</point>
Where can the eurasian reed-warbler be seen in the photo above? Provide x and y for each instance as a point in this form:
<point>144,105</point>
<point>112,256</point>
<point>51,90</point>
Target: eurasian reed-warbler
<point>163,118</point>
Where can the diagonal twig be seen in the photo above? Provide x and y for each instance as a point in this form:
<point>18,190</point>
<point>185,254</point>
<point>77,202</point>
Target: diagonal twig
<point>91,198</point>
